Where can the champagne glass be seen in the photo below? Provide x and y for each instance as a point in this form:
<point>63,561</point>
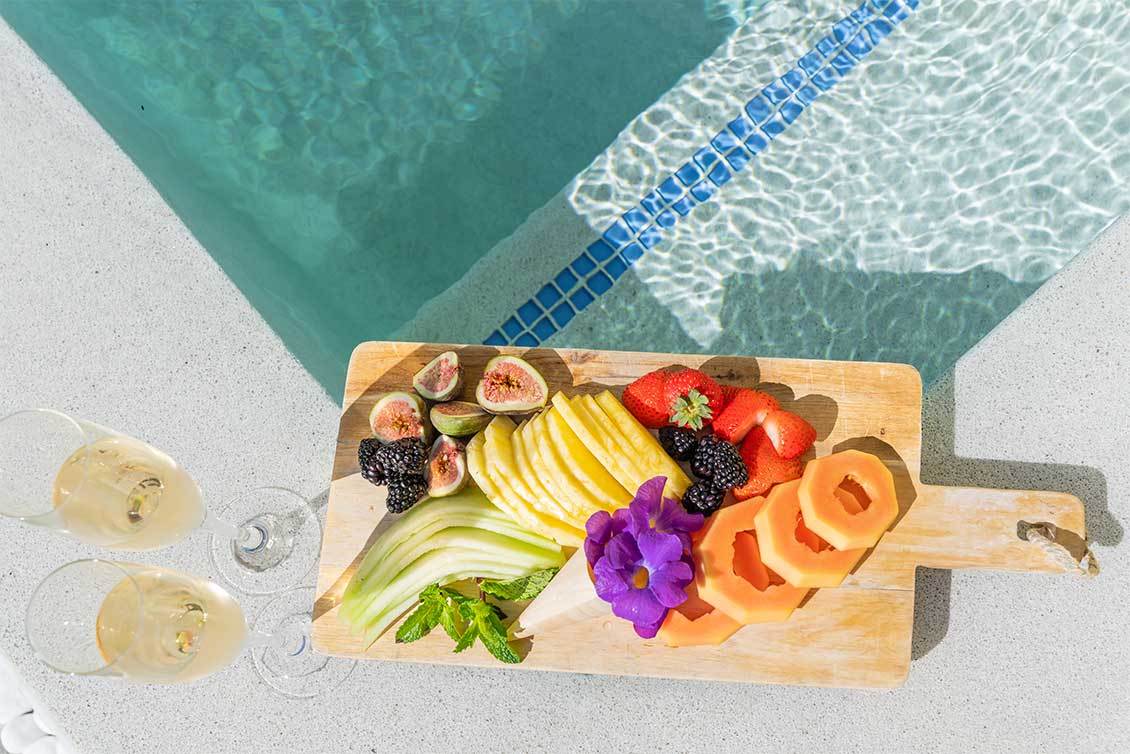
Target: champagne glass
<point>110,490</point>
<point>156,625</point>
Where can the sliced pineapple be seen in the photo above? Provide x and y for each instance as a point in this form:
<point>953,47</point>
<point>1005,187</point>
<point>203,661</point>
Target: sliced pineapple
<point>535,478</point>
<point>575,508</point>
<point>501,464</point>
<point>586,407</point>
<point>601,446</point>
<point>558,476</point>
<point>609,493</point>
<point>650,452</point>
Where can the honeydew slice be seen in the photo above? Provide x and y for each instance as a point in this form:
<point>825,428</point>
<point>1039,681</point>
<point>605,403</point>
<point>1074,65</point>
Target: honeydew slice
<point>606,452</point>
<point>643,442</point>
<point>565,444</point>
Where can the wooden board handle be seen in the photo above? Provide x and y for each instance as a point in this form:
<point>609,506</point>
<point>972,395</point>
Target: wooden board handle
<point>998,530</point>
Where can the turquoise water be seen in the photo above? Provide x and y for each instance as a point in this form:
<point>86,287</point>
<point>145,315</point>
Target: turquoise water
<point>346,161</point>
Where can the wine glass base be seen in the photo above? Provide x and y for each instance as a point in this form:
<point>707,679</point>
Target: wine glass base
<point>282,539</point>
<point>289,664</point>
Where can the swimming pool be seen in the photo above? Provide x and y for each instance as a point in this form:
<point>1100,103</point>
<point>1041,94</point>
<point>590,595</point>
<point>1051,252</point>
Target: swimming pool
<point>961,154</point>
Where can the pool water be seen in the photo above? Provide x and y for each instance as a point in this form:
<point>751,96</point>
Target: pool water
<point>348,162</point>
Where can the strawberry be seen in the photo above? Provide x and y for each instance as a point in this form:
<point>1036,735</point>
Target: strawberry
<point>645,399</point>
<point>692,398</point>
<point>766,468</point>
<point>790,434</point>
<point>728,393</point>
<point>745,410</point>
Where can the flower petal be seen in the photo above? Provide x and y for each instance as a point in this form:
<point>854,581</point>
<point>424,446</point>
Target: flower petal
<point>669,583</point>
<point>645,506</point>
<point>658,548</point>
<point>609,581</point>
<point>674,517</point>
<point>639,606</point>
<point>648,631</point>
<point>599,527</point>
<point>622,552</point>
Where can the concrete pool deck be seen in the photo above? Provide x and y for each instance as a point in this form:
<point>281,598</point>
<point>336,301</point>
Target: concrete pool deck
<point>111,310</point>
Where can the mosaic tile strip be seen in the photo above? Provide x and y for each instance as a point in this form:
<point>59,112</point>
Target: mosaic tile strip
<point>765,117</point>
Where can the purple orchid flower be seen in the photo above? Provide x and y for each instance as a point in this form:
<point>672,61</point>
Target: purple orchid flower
<point>639,556</point>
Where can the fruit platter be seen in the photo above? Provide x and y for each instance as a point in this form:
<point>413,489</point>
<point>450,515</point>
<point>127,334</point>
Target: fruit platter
<point>684,516</point>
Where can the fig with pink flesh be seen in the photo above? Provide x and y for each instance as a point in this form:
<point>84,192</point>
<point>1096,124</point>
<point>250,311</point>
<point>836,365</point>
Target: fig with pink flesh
<point>446,471</point>
<point>441,379</point>
<point>511,386</point>
<point>398,415</point>
<point>459,418</point>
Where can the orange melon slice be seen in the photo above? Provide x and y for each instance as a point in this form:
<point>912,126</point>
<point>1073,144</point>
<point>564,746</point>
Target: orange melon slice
<point>731,574</point>
<point>789,547</point>
<point>848,499</point>
<point>696,623</point>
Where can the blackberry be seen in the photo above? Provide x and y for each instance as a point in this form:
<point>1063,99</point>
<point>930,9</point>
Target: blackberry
<point>404,456</point>
<point>679,442</point>
<point>719,461</point>
<point>404,491</point>
<point>703,497</point>
<point>371,467</point>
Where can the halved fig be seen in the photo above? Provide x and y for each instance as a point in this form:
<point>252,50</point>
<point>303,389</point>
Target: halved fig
<point>446,471</point>
<point>459,418</point>
<point>398,415</point>
<point>511,386</point>
<point>441,379</point>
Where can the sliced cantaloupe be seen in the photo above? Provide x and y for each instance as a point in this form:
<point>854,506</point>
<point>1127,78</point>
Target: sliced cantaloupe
<point>696,623</point>
<point>791,549</point>
<point>731,574</point>
<point>848,499</point>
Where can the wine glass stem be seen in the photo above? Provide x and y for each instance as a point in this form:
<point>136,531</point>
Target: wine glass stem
<point>290,640</point>
<point>245,537</point>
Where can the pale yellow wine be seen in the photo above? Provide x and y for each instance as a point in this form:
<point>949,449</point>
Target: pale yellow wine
<point>121,493</point>
<point>182,628</point>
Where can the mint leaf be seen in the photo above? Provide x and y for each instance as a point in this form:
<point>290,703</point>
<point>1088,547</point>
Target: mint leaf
<point>522,588</point>
<point>493,633</point>
<point>420,623</point>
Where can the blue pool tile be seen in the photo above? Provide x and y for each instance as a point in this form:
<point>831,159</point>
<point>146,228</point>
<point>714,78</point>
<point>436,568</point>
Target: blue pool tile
<point>723,142</point>
<point>738,159</point>
<point>825,79</point>
<point>632,252</point>
<point>548,296</point>
<point>863,13</point>
<point>755,143</point>
<point>879,5</point>
<point>703,190</point>
<point>544,328</point>
<point>705,158</point>
<point>529,312</point>
<point>912,4</point>
<point>720,175</point>
<point>776,92</point>
<point>511,328</point>
<point>790,111</point>
<point>793,79</point>
<point>878,29</point>
<point>843,29</point>
<point>581,299</point>
<point>807,95</point>
<point>684,205</point>
<point>617,235</point>
<point>741,127</point>
<point>650,236</point>
<point>810,62</point>
<point>895,12</point>
<point>826,46</point>
<point>600,251</point>
<point>565,280</point>
<point>687,174</point>
<point>670,190</point>
<point>562,314</point>
<point>636,218</point>
<point>859,45</point>
<point>495,339</point>
<point>773,129</point>
<point>599,283</point>
<point>526,341</point>
<point>652,203</point>
<point>583,265</point>
<point>758,109</point>
<point>667,219</point>
<point>615,267</point>
<point>843,63</point>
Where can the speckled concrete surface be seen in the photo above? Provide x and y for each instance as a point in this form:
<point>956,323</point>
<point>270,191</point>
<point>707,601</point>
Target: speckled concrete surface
<point>110,309</point>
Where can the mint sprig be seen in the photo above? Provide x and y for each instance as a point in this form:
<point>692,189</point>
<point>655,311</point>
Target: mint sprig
<point>520,589</point>
<point>464,618</point>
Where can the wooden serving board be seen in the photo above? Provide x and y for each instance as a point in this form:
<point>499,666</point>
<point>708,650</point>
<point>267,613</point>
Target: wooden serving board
<point>856,635</point>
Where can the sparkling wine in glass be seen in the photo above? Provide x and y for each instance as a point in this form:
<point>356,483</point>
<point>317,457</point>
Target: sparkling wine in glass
<point>108,489</point>
<point>156,625</point>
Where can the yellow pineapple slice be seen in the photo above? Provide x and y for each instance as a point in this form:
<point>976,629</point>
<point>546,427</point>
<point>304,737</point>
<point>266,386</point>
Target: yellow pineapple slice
<point>535,477</point>
<point>651,453</point>
<point>601,446</point>
<point>586,407</point>
<point>584,465</point>
<point>501,463</point>
<point>558,476</point>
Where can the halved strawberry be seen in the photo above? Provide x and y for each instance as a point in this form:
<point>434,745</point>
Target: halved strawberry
<point>692,398</point>
<point>646,401</point>
<point>790,434</point>
<point>766,467</point>
<point>745,411</point>
<point>728,393</point>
